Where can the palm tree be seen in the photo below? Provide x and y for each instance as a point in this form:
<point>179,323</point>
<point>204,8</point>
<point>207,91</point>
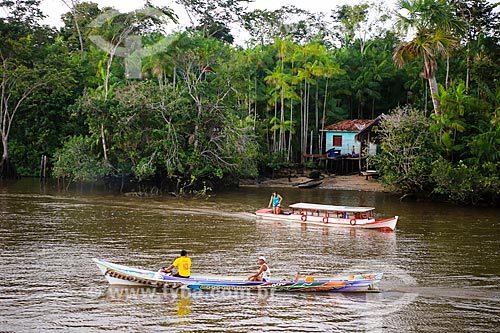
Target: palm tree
<point>432,21</point>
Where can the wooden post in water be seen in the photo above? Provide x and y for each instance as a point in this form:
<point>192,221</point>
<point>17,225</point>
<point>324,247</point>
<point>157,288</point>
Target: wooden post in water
<point>43,168</point>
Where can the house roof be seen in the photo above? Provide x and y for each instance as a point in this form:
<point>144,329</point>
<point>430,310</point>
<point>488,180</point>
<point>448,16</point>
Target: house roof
<point>354,125</point>
<point>369,133</point>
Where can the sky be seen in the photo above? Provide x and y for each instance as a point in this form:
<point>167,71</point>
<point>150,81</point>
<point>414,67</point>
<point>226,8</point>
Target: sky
<point>55,8</point>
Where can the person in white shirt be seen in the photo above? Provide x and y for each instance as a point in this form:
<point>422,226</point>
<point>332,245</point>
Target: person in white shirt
<point>264,272</point>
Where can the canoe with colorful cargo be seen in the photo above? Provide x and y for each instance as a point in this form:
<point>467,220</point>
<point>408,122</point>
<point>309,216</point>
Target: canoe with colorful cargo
<point>123,275</point>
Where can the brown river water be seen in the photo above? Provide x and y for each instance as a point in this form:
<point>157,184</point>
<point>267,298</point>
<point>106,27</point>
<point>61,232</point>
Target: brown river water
<point>441,265</point>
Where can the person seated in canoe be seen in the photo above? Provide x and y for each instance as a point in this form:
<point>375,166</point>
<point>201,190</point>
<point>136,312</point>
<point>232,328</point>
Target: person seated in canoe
<point>183,264</point>
<point>275,201</point>
<point>263,274</point>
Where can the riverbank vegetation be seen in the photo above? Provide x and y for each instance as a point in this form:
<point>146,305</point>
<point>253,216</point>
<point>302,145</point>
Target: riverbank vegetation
<point>116,96</point>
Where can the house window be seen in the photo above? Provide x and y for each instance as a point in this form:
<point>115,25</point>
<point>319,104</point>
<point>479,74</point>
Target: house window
<point>337,140</point>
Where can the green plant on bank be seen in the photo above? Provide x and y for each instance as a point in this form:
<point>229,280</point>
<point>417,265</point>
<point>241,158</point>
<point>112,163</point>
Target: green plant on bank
<point>277,162</point>
<point>418,152</point>
<point>408,150</point>
<point>468,135</point>
<point>76,161</point>
<point>466,184</point>
<point>309,164</point>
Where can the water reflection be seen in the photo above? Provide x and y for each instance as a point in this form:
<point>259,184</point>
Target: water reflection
<point>183,307</point>
<point>298,311</point>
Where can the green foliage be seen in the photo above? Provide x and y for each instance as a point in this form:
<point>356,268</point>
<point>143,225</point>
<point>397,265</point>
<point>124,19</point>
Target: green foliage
<point>205,113</point>
<point>407,150</point>
<point>486,145</point>
<point>265,26</point>
<point>464,183</point>
<point>76,161</point>
<point>309,164</point>
<point>469,130</point>
<point>412,160</point>
<point>189,132</point>
<point>37,85</point>
<point>276,162</point>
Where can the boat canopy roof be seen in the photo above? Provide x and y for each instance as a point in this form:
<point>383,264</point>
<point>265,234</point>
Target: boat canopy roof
<point>309,206</point>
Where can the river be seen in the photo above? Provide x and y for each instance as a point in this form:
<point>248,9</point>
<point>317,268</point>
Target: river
<point>441,265</point>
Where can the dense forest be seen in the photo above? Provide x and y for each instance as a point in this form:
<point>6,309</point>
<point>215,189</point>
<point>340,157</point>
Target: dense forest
<point>124,98</point>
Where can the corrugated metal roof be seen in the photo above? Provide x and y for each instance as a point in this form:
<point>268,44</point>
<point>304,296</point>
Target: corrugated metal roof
<point>354,125</point>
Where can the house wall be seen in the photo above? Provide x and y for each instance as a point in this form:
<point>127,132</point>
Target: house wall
<point>347,142</point>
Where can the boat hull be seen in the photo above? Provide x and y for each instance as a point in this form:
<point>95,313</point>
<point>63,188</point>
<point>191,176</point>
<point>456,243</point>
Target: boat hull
<point>129,276</point>
<point>319,219</point>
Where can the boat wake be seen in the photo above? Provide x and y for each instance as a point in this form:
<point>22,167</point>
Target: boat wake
<point>210,211</point>
<point>452,293</point>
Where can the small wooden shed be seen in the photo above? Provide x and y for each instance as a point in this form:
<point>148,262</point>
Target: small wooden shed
<point>369,133</point>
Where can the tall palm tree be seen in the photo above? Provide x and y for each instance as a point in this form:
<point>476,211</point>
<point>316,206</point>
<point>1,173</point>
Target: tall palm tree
<point>432,21</point>
<point>281,80</point>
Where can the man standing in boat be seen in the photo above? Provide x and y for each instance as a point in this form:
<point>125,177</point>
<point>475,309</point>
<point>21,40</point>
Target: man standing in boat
<point>183,264</point>
<point>263,274</point>
<point>275,201</point>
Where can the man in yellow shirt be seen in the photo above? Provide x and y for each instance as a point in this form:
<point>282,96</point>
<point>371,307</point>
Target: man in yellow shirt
<point>183,264</point>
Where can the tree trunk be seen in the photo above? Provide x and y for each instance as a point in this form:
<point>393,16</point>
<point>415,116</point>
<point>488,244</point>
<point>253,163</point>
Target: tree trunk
<point>103,139</point>
<point>5,152</point>
<point>301,125</point>
<point>320,137</point>
<point>447,71</point>
<point>72,5</point>
<point>282,123</point>
<point>7,170</point>
<point>275,145</point>
<point>106,93</point>
<point>290,135</point>
<point>316,109</point>
<point>434,93</point>
<point>255,103</point>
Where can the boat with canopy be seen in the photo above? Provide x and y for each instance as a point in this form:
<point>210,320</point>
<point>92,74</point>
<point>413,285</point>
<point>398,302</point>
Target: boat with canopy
<point>331,216</point>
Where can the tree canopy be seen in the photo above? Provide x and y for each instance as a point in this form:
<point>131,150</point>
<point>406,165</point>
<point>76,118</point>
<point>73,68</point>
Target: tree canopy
<point>188,110</point>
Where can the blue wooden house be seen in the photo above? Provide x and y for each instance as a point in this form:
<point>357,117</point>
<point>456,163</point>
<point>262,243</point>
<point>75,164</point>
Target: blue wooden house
<point>340,138</point>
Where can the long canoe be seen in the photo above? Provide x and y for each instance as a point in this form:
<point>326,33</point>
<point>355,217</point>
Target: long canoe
<point>331,216</point>
<point>129,276</point>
